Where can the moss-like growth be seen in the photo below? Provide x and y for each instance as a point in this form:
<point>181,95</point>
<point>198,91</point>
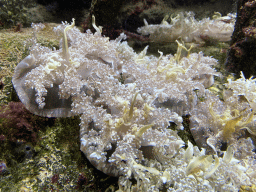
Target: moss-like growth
<point>57,163</point>
<point>184,134</point>
<point>14,12</point>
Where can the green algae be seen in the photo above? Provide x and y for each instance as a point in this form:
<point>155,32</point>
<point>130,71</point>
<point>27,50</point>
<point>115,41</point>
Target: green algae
<point>57,163</point>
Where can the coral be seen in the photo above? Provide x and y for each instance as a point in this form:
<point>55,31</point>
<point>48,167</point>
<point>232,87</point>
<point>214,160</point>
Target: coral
<point>244,87</point>
<point>215,123</point>
<point>247,188</point>
<point>125,126</point>
<point>232,120</point>
<point>187,28</point>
